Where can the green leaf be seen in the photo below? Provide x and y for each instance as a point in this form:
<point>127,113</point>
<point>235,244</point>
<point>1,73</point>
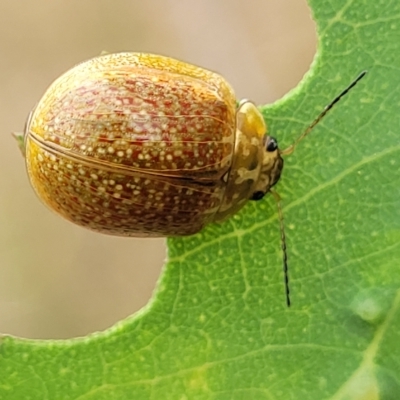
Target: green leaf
<point>218,327</point>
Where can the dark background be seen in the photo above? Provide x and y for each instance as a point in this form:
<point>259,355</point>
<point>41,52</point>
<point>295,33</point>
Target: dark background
<point>56,279</point>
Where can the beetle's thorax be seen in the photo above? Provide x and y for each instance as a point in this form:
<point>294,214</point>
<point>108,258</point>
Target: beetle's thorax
<point>247,160</point>
<point>256,163</point>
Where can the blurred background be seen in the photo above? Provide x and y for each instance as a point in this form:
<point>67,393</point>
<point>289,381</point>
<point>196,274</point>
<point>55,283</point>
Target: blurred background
<point>58,280</point>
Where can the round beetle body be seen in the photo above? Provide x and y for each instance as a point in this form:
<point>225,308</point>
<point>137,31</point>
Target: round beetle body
<point>135,144</point>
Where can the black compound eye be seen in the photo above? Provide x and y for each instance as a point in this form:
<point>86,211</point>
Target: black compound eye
<point>257,195</point>
<point>272,144</point>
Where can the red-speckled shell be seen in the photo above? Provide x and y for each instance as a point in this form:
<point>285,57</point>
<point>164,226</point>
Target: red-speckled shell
<point>141,145</point>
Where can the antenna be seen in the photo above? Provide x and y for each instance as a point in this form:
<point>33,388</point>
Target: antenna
<point>283,246</point>
<point>290,149</point>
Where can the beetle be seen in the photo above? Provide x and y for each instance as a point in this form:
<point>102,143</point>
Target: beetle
<point>135,144</point>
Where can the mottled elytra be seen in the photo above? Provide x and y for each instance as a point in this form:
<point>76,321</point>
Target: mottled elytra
<point>135,144</point>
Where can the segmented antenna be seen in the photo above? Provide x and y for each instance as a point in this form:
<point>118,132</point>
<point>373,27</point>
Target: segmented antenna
<point>290,150</point>
<point>283,246</point>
